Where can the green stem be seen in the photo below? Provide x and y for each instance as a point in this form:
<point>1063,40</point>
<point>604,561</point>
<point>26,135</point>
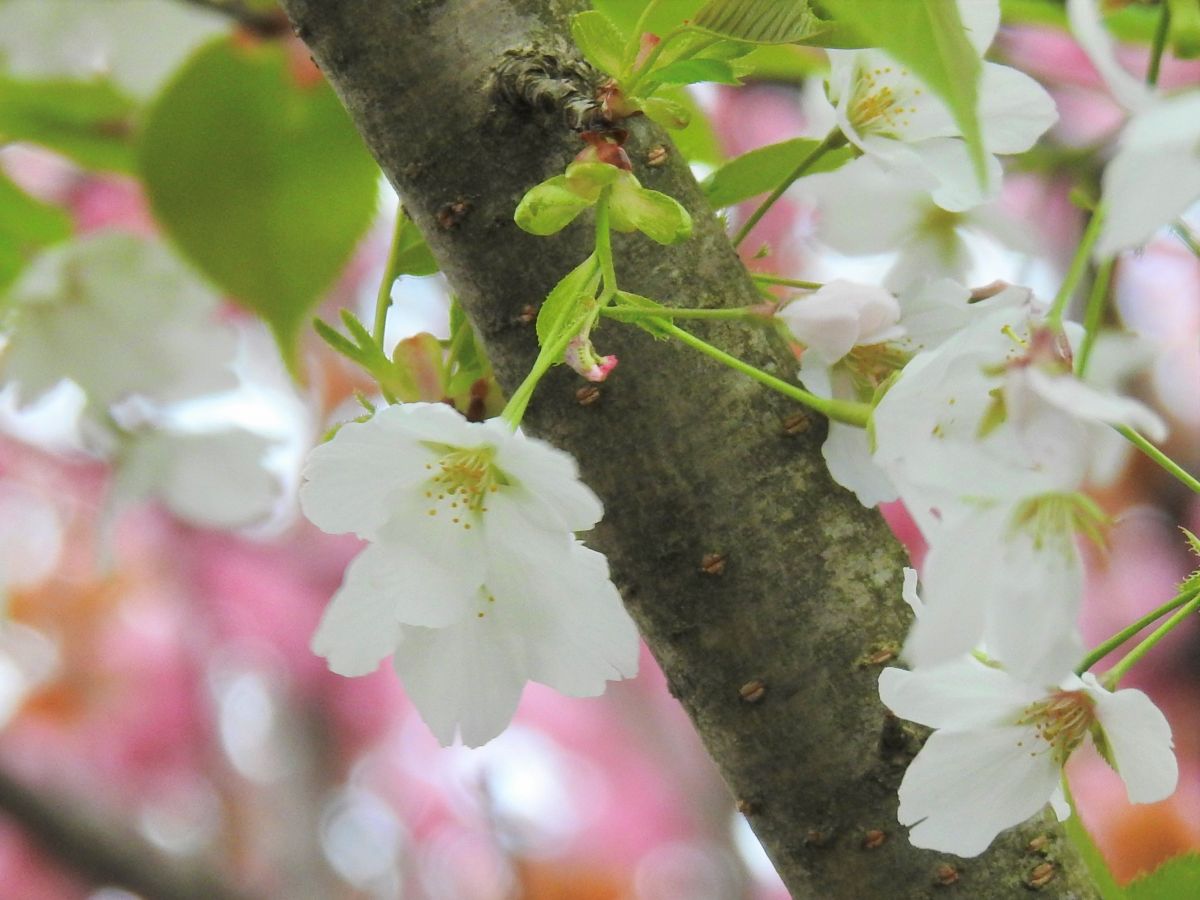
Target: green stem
<point>786,282</point>
<point>624,313</point>
<point>1126,633</point>
<point>1165,462</point>
<point>832,141</point>
<point>604,252</point>
<point>383,297</point>
<point>1185,234</point>
<point>1075,272</point>
<point>858,414</point>
<point>1114,675</point>
<point>1159,43</point>
<point>552,351</point>
<point>1093,315</point>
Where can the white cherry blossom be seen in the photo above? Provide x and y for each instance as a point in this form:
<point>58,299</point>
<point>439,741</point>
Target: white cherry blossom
<point>891,115</point>
<point>473,580</point>
<point>885,331</point>
<point>1000,742</point>
<point>1155,175</point>
<point>214,478</point>
<point>83,311</point>
<point>862,209</point>
<point>841,315</point>
<point>986,439</point>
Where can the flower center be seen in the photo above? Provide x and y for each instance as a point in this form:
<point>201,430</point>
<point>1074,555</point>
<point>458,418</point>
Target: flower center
<point>878,102</point>
<point>870,365</point>
<point>462,483</point>
<point>1062,720</point>
<point>1052,520</point>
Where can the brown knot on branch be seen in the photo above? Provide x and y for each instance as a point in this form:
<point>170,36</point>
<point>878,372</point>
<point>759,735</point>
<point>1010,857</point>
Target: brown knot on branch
<point>551,81</point>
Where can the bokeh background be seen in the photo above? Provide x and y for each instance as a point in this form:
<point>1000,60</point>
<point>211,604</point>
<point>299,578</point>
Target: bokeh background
<point>155,673</point>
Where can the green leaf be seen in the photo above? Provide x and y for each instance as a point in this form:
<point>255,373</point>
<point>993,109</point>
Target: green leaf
<point>26,225</point>
<point>260,180</point>
<point>781,62</point>
<point>339,341</point>
<point>697,141</point>
<point>549,207</point>
<point>412,253</point>
<point>562,305</point>
<point>1093,859</point>
<point>763,169</point>
<point>91,122</point>
<point>759,21</point>
<point>666,15</point>
<point>694,71</point>
<point>602,44</point>
<point>1184,28</point>
<point>1176,879</point>
<point>667,113</point>
<point>928,37</point>
<point>466,359</point>
<point>654,214</point>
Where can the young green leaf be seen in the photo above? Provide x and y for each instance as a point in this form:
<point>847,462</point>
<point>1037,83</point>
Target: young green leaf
<point>339,341</point>
<point>656,215</point>
<point>667,113</point>
<point>1093,859</point>
<point>412,253</point>
<point>761,170</point>
<point>1176,879</point>
<point>599,40</point>
<point>260,180</point>
<point>563,304</point>
<point>549,207</point>
<point>696,141</point>
<point>91,122</point>
<point>665,16</point>
<point>694,71</point>
<point>26,225</point>
<point>759,21</point>
<point>928,37</point>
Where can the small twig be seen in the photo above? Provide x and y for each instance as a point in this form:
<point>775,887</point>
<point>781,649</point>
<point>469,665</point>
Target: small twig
<point>103,852</point>
<point>266,24</point>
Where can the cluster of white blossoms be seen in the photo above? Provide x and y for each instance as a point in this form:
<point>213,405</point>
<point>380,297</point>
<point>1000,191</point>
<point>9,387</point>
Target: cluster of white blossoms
<point>472,580</point>
<point>983,429</point>
<point>139,336</point>
<point>988,437</point>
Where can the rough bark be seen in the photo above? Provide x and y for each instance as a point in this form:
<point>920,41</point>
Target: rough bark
<point>689,457</point>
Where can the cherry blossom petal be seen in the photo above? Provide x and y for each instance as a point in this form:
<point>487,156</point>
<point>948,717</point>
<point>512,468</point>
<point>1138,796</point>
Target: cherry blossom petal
<point>847,453</point>
<point>350,482</point>
<point>965,787</point>
<point>1088,28</point>
<point>466,678</point>
<point>1155,175</point>
<point>1083,401</point>
<point>960,694</point>
<point>1139,738</point>
<point>1014,110</point>
<point>577,633</point>
<point>549,479</point>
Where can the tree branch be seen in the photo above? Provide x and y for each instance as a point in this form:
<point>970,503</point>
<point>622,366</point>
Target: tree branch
<point>102,853</point>
<point>776,658</point>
